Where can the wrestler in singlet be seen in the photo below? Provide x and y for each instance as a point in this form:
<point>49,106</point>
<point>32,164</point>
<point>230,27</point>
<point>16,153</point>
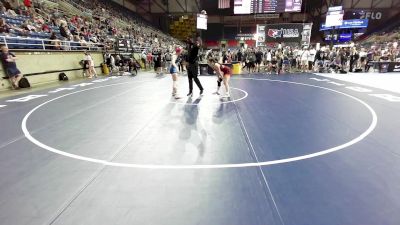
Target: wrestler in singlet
<point>224,74</point>
<point>173,70</point>
<point>225,69</point>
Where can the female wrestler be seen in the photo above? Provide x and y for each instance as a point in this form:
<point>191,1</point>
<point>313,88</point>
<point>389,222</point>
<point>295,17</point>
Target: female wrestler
<point>174,71</point>
<point>224,74</point>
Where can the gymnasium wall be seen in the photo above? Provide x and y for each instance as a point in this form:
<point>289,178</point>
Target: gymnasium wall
<point>41,62</point>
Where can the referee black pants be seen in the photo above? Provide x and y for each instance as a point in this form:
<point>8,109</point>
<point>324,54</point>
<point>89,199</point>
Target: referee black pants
<point>193,72</point>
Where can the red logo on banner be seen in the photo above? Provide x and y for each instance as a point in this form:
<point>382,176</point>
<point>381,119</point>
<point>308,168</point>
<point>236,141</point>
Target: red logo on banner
<point>274,33</point>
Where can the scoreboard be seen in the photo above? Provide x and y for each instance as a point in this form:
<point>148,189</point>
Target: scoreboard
<point>266,6</point>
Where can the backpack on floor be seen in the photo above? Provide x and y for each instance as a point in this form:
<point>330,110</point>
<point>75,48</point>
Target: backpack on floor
<point>24,83</point>
<point>62,77</point>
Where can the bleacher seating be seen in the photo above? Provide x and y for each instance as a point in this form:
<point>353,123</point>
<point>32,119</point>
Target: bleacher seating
<point>108,22</point>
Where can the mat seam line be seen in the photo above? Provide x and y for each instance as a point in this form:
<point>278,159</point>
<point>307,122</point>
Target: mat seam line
<point>98,173</point>
<point>254,155</point>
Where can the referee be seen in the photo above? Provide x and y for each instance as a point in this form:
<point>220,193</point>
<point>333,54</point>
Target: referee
<point>193,68</point>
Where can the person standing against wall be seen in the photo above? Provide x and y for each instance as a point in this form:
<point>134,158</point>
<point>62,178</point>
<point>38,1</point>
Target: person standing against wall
<point>10,66</point>
<point>90,65</point>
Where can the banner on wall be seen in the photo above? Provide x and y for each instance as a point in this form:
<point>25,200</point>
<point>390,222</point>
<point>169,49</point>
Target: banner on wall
<point>283,32</point>
<point>260,36</point>
<point>348,24</point>
<point>376,17</point>
<point>288,33</point>
<point>306,34</point>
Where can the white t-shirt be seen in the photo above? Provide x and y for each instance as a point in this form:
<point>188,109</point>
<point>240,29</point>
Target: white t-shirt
<point>269,56</point>
<point>363,54</point>
<point>112,61</point>
<point>89,59</point>
<point>311,56</point>
<point>304,55</point>
<point>299,53</point>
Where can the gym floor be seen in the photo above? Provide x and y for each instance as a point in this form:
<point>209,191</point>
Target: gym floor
<point>296,149</point>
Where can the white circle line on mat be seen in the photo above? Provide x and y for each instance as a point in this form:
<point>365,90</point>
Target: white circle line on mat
<point>370,129</point>
<point>217,103</point>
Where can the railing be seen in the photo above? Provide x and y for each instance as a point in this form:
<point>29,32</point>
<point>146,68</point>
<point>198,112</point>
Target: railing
<point>58,45</point>
<point>135,49</point>
<point>48,44</point>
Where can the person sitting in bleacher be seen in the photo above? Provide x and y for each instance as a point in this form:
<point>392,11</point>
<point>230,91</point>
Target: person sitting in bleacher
<point>27,25</point>
<point>64,31</point>
<point>3,10</point>
<point>45,28</point>
<point>4,27</point>
<point>108,20</point>
<point>11,12</point>
<point>55,43</point>
<point>11,5</point>
<point>84,44</point>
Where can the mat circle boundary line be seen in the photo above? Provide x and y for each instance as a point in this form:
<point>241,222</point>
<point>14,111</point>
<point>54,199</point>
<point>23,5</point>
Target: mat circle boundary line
<point>369,130</point>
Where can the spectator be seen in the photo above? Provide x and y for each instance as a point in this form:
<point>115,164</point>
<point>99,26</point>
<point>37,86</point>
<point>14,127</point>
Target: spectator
<point>6,5</point>
<point>133,66</point>
<point>14,3</point>
<point>354,56</point>
<point>168,59</point>
<point>4,27</point>
<point>149,59</point>
<point>363,58</point>
<point>10,66</point>
<point>252,61</point>
<point>343,58</point>
<point>304,60</point>
<point>28,26</point>
<point>83,42</point>
<point>3,10</point>
<point>64,31</point>
<point>90,66</point>
<point>112,19</point>
<point>55,43</point>
<point>45,28</point>
<point>259,56</point>
<point>384,57</point>
<point>28,3</point>
<point>311,58</point>
<point>397,56</point>
<point>108,58</point>
<point>157,61</point>
<point>11,12</point>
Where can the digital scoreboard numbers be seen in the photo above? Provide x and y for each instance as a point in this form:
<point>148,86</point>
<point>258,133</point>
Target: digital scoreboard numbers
<point>293,5</point>
<point>273,6</point>
<point>266,6</point>
<point>243,6</point>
